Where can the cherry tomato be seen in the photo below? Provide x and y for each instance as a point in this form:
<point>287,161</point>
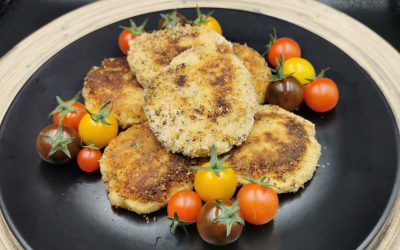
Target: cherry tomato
<point>72,112</point>
<point>286,93</point>
<point>171,20</point>
<point>98,127</point>
<point>258,203</point>
<point>88,159</point>
<point>183,208</point>
<point>282,47</point>
<point>220,222</point>
<point>57,144</point>
<point>321,95</point>
<point>207,21</point>
<point>300,68</point>
<point>215,179</point>
<point>128,34</point>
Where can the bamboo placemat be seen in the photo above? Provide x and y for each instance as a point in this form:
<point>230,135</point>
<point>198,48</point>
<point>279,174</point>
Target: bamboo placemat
<point>372,53</point>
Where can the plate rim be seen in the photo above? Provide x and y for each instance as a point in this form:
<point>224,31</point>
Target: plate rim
<point>82,21</point>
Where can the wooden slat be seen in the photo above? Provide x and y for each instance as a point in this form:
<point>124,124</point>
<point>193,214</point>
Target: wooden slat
<point>372,53</point>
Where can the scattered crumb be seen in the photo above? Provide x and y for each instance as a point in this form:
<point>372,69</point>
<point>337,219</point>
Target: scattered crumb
<point>146,217</point>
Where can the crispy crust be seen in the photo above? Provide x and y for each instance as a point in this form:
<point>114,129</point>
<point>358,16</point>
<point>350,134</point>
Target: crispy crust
<point>139,174</point>
<point>281,146</point>
<point>113,80</point>
<point>151,52</point>
<point>258,67</point>
<point>203,98</point>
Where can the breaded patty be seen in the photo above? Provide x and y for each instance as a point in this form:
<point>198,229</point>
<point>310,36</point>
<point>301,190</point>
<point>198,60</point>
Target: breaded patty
<point>281,146</point>
<point>139,174</point>
<point>203,98</point>
<point>113,80</point>
<point>258,68</point>
<point>151,52</point>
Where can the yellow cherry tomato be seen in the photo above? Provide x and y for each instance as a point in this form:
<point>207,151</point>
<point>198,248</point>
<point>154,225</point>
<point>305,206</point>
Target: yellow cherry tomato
<point>210,186</point>
<point>300,68</point>
<point>211,23</point>
<point>97,132</point>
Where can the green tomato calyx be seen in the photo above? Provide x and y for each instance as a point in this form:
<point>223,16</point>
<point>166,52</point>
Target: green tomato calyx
<point>216,165</point>
<point>102,115</point>
<point>201,17</point>
<point>170,19</point>
<point>320,75</point>
<point>65,107</point>
<point>229,215</point>
<point>272,39</point>
<point>90,146</point>
<point>133,28</point>
<point>278,71</point>
<point>262,182</point>
<point>59,142</point>
<point>177,222</point>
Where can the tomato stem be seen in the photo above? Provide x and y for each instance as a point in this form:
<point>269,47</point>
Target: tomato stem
<point>272,39</point>
<point>261,182</point>
<point>216,165</point>
<point>320,75</point>
<point>278,76</point>
<point>90,146</point>
<point>201,17</point>
<point>170,19</point>
<point>59,142</point>
<point>65,107</point>
<point>177,222</point>
<point>133,28</point>
<point>102,115</point>
<point>229,215</point>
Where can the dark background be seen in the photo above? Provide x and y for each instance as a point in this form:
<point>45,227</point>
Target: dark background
<point>19,18</point>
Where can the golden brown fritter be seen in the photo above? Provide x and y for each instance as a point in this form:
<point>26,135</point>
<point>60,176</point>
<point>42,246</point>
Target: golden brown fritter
<point>281,146</point>
<point>202,98</point>
<point>152,52</point>
<point>258,68</point>
<point>113,80</point>
<point>139,174</point>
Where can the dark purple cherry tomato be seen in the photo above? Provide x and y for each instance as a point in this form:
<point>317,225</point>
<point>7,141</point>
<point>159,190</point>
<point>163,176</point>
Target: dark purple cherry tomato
<point>286,93</point>
<point>58,144</point>
<point>213,221</point>
<point>171,20</point>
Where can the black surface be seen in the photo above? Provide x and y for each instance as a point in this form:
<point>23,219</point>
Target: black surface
<point>60,207</point>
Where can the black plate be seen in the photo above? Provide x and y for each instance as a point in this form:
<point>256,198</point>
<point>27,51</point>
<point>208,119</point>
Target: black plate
<point>60,207</point>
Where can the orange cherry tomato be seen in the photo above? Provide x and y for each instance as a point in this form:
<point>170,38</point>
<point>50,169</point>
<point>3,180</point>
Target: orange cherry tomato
<point>321,95</point>
<point>258,204</point>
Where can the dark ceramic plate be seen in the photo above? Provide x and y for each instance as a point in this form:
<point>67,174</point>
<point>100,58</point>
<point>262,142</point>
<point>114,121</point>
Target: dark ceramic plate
<point>342,207</point>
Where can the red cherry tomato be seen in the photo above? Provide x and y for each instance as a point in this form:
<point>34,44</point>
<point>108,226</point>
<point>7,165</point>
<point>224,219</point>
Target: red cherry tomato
<point>285,47</point>
<point>88,159</point>
<point>183,208</point>
<point>128,34</point>
<point>186,204</point>
<point>321,95</point>
<point>71,119</point>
